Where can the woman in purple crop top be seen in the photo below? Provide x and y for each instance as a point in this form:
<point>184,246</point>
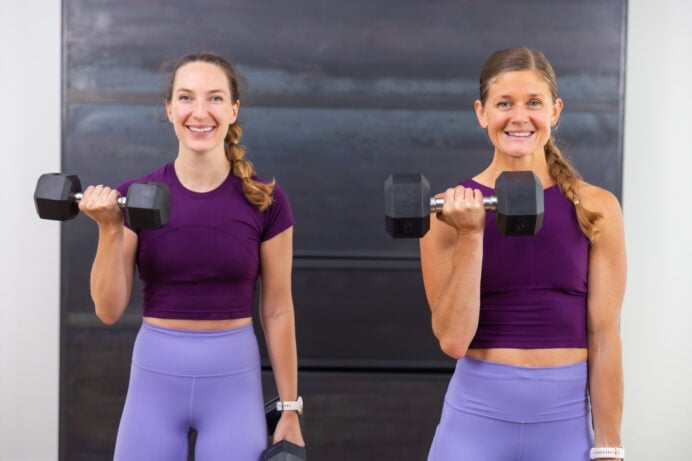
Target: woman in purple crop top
<point>196,362</point>
<point>532,321</point>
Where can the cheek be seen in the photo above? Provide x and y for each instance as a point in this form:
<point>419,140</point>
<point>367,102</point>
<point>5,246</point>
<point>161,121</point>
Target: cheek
<point>548,122</point>
<point>496,123</point>
<point>178,113</point>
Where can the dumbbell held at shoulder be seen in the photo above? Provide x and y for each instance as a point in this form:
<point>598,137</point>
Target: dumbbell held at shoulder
<point>518,204</point>
<point>147,204</point>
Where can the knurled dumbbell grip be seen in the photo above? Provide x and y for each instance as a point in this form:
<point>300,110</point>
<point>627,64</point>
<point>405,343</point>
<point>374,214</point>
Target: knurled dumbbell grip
<point>436,203</point>
<point>77,196</point>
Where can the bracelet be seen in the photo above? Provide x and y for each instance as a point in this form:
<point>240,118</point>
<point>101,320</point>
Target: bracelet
<point>607,452</point>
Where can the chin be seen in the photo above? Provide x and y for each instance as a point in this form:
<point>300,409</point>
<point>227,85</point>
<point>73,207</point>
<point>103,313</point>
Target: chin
<point>518,155</point>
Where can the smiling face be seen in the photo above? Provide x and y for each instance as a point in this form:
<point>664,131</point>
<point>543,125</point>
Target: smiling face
<point>518,113</point>
<point>201,107</point>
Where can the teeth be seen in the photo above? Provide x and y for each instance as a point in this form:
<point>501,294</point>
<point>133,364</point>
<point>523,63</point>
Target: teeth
<point>523,134</point>
<point>201,130</point>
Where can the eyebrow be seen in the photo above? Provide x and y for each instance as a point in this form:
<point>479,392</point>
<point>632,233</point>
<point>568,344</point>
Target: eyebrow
<point>532,95</point>
<point>186,90</point>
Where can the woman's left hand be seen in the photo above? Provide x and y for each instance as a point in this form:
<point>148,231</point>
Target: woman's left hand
<point>288,428</point>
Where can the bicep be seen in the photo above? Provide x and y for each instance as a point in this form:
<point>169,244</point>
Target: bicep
<point>276,262</point>
<point>607,267</point>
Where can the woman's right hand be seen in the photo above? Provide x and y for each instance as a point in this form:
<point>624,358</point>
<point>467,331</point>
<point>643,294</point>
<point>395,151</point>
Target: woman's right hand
<point>463,210</point>
<point>100,203</point>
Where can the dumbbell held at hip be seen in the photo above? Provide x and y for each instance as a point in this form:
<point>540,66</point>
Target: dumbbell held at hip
<point>282,450</point>
<point>518,204</point>
<point>147,204</point>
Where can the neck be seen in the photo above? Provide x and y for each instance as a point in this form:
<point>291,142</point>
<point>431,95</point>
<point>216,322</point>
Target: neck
<point>535,163</point>
<point>201,173</point>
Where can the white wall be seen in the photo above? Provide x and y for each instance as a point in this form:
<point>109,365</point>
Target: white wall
<point>29,248</point>
<point>657,315</point>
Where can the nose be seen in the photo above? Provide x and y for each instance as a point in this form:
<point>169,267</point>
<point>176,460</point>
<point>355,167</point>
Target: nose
<point>520,113</point>
<point>199,110</point>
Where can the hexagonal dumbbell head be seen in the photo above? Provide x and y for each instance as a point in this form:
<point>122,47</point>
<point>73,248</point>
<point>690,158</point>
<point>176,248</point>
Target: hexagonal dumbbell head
<point>519,203</point>
<point>148,205</point>
<point>284,451</point>
<point>54,196</point>
<point>407,205</point>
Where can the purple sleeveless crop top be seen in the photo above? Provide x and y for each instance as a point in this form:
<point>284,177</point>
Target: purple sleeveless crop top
<point>534,288</point>
<point>204,264</point>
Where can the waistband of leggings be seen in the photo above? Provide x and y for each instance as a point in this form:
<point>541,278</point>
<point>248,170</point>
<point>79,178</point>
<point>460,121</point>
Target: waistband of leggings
<point>519,394</point>
<point>196,353</point>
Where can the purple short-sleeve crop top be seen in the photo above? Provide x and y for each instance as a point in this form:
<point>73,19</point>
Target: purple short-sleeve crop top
<point>204,264</point>
<point>534,288</point>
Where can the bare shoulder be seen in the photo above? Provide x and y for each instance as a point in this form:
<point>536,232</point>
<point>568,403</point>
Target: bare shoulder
<point>598,199</point>
<point>611,225</point>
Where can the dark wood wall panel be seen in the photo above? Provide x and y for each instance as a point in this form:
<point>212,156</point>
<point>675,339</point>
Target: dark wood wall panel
<point>339,96</point>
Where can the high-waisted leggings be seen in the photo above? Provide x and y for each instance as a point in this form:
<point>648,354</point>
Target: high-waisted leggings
<point>209,381</point>
<point>496,412</point>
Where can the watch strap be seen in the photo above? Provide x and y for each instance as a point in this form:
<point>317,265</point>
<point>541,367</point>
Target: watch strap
<point>607,452</point>
<point>290,405</point>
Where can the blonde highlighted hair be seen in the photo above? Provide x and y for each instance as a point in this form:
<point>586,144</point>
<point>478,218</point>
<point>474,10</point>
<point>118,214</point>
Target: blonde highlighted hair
<point>256,192</point>
<point>561,170</point>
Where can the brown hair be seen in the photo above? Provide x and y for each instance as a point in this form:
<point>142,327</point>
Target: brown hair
<point>561,170</point>
<point>256,192</point>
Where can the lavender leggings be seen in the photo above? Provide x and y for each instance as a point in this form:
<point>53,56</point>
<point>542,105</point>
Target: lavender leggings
<point>182,380</point>
<point>496,412</point>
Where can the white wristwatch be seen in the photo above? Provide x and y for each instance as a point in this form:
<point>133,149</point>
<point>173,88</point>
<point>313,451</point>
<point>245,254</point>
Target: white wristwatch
<point>291,405</point>
<point>607,452</point>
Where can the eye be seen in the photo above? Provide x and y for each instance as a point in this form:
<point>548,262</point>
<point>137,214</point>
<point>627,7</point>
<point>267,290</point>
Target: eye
<point>503,105</point>
<point>183,97</point>
<point>217,98</point>
<point>535,103</point>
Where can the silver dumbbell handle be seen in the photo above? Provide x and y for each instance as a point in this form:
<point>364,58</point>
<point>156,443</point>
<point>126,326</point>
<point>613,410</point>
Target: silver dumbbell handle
<point>436,203</point>
<point>77,196</point>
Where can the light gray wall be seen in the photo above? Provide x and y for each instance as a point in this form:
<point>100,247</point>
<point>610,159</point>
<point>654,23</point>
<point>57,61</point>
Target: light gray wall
<point>658,159</point>
<point>29,248</point>
<point>657,317</point>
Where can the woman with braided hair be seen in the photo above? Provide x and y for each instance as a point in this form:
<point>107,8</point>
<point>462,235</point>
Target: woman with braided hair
<point>196,362</point>
<point>533,322</point>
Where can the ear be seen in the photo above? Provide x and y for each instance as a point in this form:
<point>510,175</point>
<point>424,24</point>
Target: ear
<point>480,113</point>
<point>235,108</point>
<point>557,110</point>
<point>169,113</point>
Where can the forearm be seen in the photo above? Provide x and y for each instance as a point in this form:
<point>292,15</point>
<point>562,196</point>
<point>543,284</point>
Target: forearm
<point>279,332</point>
<point>455,311</point>
<point>110,283</point>
<point>606,389</point>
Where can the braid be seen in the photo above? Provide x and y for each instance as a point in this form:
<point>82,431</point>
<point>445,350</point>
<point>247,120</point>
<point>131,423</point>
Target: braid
<point>567,178</point>
<point>256,192</point>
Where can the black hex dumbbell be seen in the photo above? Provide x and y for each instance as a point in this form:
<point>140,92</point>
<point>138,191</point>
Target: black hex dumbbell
<point>518,203</point>
<point>147,204</point>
